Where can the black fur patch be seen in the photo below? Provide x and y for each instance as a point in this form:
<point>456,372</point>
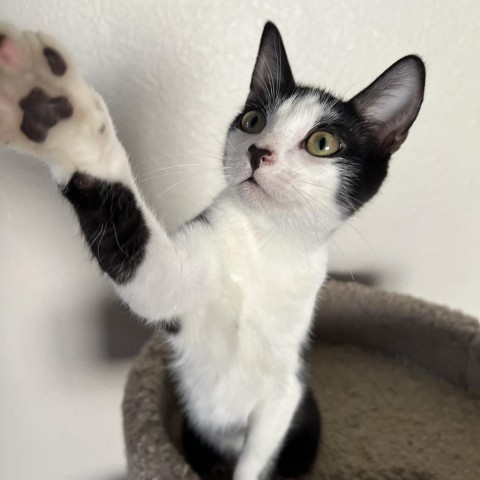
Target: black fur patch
<point>171,326</point>
<point>256,155</point>
<point>200,456</point>
<point>299,451</point>
<point>112,223</point>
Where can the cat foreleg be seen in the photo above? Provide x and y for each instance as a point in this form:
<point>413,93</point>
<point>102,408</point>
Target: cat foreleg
<point>47,110</point>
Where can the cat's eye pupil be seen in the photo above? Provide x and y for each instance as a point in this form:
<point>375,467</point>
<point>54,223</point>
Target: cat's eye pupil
<point>251,123</point>
<point>322,144</point>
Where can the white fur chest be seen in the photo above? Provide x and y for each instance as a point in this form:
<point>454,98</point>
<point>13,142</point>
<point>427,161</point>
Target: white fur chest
<point>245,341</point>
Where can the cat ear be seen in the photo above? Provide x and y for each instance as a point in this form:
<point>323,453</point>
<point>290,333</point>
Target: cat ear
<point>272,73</point>
<point>392,102</point>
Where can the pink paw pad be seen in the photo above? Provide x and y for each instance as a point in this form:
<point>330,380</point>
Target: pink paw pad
<point>9,53</point>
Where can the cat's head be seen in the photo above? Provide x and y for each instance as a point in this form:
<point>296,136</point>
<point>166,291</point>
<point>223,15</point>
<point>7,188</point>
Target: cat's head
<point>296,150</point>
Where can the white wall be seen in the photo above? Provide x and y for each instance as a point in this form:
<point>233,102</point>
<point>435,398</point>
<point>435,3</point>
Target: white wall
<point>173,74</point>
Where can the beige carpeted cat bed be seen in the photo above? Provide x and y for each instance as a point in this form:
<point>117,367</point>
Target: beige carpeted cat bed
<point>397,380</point>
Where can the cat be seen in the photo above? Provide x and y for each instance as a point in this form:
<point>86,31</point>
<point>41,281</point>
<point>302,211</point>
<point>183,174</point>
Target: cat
<point>235,288</point>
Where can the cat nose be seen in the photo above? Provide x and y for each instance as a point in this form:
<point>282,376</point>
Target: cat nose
<point>258,155</point>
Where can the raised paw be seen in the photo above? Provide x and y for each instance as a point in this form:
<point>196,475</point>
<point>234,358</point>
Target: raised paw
<point>46,108</point>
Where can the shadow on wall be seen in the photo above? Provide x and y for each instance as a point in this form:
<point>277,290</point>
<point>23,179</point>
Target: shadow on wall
<point>123,333</point>
<point>369,278</point>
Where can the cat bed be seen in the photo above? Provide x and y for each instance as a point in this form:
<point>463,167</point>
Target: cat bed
<point>397,380</point>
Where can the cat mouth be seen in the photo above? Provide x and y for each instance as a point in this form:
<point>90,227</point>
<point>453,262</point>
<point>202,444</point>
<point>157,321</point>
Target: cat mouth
<point>252,181</point>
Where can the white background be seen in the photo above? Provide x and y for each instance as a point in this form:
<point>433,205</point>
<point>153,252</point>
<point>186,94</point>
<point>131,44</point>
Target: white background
<point>174,73</point>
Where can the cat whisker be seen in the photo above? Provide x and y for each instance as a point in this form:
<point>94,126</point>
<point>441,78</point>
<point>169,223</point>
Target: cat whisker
<point>348,224</point>
<point>200,168</point>
<point>313,213</point>
<point>95,235</point>
<point>186,154</point>
<point>179,183</point>
<point>182,172</point>
<point>333,241</point>
<point>218,141</point>
<point>100,241</point>
<point>273,93</point>
<point>279,63</point>
<point>326,187</point>
<point>262,81</point>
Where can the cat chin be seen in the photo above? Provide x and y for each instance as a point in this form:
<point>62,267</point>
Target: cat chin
<point>254,196</point>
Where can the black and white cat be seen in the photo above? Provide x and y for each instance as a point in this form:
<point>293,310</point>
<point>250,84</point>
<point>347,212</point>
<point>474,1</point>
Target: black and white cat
<point>235,287</point>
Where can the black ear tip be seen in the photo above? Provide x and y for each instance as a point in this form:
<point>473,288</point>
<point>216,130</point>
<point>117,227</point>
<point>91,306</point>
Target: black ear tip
<point>415,60</point>
<point>414,64</point>
<point>270,29</point>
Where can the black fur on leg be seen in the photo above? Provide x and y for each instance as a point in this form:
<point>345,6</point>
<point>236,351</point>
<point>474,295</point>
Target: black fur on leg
<point>299,450</point>
<point>112,223</point>
<point>200,456</point>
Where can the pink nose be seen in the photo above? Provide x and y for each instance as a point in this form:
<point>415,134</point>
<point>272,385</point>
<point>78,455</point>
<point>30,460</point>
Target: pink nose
<point>268,159</point>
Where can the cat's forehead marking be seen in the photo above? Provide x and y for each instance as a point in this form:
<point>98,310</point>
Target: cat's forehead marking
<point>301,112</point>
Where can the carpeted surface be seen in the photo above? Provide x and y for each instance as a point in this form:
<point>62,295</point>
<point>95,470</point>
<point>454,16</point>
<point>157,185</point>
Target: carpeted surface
<point>384,421</point>
<point>384,418</point>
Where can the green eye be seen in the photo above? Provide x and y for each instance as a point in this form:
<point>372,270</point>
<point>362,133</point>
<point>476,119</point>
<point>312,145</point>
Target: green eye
<point>253,122</point>
<point>322,144</point>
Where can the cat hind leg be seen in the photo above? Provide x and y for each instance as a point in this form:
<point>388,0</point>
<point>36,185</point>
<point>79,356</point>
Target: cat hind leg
<point>299,450</point>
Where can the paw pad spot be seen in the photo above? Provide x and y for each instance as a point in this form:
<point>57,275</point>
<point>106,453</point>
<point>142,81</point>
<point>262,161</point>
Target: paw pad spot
<point>57,64</point>
<point>41,112</point>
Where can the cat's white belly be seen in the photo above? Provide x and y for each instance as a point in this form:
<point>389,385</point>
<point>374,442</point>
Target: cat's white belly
<point>222,382</point>
<point>243,348</point>
<point>238,353</point>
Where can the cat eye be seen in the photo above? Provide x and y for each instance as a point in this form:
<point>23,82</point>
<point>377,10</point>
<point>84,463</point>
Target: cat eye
<point>253,122</point>
<point>322,144</point>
